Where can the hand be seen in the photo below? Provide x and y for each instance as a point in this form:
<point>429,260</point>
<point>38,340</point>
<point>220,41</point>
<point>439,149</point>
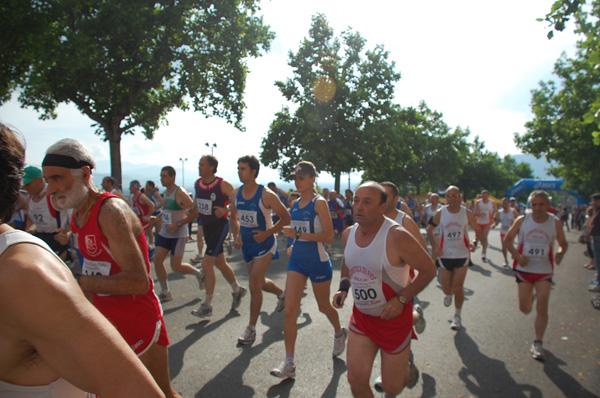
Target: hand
<point>260,236</point>
<point>338,299</point>
<point>472,246</point>
<point>558,258</point>
<point>289,232</point>
<point>238,242</point>
<point>61,236</point>
<point>437,251</point>
<point>392,308</point>
<point>289,250</point>
<point>172,228</point>
<point>522,260</point>
<point>220,211</point>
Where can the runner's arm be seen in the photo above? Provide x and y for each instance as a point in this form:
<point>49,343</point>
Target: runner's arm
<point>562,242</point>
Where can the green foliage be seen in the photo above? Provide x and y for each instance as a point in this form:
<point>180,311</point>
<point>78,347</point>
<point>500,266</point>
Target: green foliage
<point>126,64</point>
<point>339,91</point>
<point>566,123</point>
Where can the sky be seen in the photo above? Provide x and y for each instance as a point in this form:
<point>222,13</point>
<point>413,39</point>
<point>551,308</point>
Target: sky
<point>474,61</point>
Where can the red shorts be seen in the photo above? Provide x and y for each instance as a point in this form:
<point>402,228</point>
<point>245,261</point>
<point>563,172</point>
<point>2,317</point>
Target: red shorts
<point>532,278</point>
<point>482,226</point>
<point>141,338</point>
<point>391,335</point>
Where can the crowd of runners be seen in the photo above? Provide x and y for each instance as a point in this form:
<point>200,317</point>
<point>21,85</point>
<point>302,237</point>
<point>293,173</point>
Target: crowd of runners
<point>111,242</point>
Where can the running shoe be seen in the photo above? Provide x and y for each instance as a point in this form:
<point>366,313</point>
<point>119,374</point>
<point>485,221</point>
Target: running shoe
<point>483,257</point>
<point>237,297</point>
<point>339,343</point>
<point>203,312</point>
<point>378,385</point>
<point>420,322</point>
<point>280,304</point>
<point>248,337</point>
<point>447,300</point>
<point>505,264</point>
<point>151,251</point>
<point>455,325</point>
<point>537,351</point>
<point>596,302</point>
<point>196,260</point>
<point>201,279</point>
<point>165,296</point>
<point>594,288</point>
<point>413,377</point>
<point>287,369</point>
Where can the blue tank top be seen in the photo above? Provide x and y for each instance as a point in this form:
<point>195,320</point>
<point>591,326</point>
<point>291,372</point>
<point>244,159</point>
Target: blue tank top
<point>209,196</point>
<point>252,214</point>
<point>307,220</point>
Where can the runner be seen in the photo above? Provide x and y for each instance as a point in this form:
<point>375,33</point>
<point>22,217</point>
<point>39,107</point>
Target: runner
<point>375,264</point>
<point>485,211</point>
<point>416,209</point>
<point>430,210</point>
<point>506,217</point>
<point>43,218</point>
<point>337,209</point>
<point>534,261</point>
<point>173,235</point>
<point>152,193</point>
<point>311,227</point>
<point>110,185</point>
<point>452,252</point>
<point>116,266</point>
<point>254,232</point>
<point>212,199</point>
<point>141,205</point>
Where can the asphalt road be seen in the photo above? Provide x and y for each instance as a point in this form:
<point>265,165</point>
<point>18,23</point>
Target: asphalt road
<point>488,357</point>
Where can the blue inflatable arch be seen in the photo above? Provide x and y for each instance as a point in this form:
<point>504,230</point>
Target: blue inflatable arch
<point>530,184</point>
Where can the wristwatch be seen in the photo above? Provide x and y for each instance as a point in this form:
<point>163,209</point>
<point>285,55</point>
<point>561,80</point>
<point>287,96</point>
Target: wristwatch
<point>298,233</point>
<point>179,223</point>
<point>403,300</point>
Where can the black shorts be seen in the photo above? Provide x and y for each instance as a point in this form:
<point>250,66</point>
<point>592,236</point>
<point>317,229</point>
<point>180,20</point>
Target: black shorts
<point>214,236</point>
<point>450,264</point>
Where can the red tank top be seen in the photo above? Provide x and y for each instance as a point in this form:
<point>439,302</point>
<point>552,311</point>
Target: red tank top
<point>125,312</point>
<point>140,209</point>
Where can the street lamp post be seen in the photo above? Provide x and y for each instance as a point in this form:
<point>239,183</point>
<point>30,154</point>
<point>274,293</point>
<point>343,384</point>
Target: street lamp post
<point>183,160</point>
<point>211,147</point>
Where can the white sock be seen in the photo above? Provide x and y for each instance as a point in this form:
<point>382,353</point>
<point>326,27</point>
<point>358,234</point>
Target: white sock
<point>457,312</point>
<point>208,300</point>
<point>235,287</point>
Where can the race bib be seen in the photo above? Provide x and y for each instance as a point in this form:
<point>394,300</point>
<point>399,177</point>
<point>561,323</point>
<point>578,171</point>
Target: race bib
<point>248,218</point>
<point>536,251</point>
<point>96,268</point>
<point>167,217</point>
<point>454,235</point>
<point>204,206</point>
<point>367,291</point>
<point>301,226</point>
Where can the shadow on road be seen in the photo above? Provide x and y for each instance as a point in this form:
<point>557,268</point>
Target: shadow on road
<point>565,382</point>
<point>487,377</point>
<point>339,368</point>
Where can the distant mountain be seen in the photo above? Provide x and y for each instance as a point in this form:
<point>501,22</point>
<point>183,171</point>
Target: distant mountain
<point>540,166</point>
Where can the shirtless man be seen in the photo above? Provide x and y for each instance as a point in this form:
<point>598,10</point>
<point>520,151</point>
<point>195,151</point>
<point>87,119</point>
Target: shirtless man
<point>116,268</point>
<point>41,304</point>
<point>377,252</point>
<point>254,232</point>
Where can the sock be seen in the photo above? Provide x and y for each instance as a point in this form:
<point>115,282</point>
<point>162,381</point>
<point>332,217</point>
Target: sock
<point>282,295</point>
<point>208,300</point>
<point>449,296</point>
<point>235,287</point>
<point>457,312</point>
<point>252,327</point>
<point>289,358</point>
<point>164,285</point>
<point>197,272</point>
<point>339,333</point>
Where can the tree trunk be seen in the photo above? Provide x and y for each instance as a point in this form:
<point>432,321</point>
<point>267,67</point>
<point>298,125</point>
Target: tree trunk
<point>337,182</point>
<point>114,141</point>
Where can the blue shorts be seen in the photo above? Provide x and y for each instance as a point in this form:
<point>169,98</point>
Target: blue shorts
<point>175,245</point>
<point>338,224</point>
<point>450,264</point>
<point>252,250</point>
<point>319,271</point>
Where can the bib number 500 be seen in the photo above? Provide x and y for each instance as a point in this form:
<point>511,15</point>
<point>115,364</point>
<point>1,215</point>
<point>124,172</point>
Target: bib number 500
<point>365,294</point>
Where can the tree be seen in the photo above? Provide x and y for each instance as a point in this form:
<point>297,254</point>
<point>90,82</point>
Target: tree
<point>416,149</point>
<point>338,90</point>
<point>565,124</point>
<point>126,64</point>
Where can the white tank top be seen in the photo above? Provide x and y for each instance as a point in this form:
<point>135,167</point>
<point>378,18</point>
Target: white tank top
<point>400,217</point>
<point>453,232</point>
<point>535,243</point>
<point>506,220</point>
<point>41,216</point>
<point>370,270</point>
<point>486,211</point>
<point>59,388</point>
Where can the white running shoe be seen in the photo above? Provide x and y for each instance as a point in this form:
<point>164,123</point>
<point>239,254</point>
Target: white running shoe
<point>339,343</point>
<point>280,304</point>
<point>248,337</point>
<point>447,300</point>
<point>165,296</point>
<point>203,312</point>
<point>420,323</point>
<point>197,259</point>
<point>287,369</point>
<point>413,378</point>
<point>537,351</point>
<point>237,297</point>
<point>455,325</point>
